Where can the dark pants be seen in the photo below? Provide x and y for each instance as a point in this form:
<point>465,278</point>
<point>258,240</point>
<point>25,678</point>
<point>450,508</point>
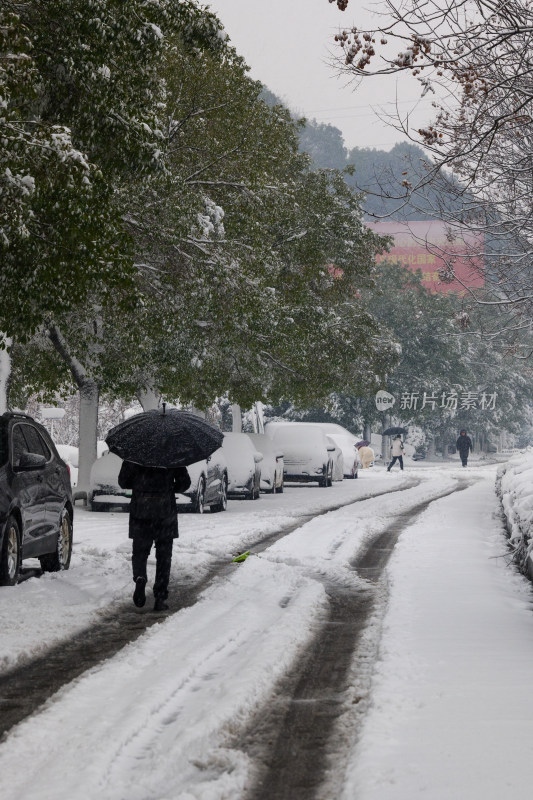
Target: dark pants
<point>393,462</point>
<point>144,534</point>
<point>464,458</point>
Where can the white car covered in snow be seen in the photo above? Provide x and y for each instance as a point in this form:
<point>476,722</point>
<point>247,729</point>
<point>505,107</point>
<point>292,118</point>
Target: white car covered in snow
<point>209,481</point>
<point>209,485</point>
<point>105,494</point>
<point>350,456</point>
<point>307,453</point>
<point>70,455</point>
<point>338,460</point>
<point>272,463</point>
<point>343,439</point>
<point>244,466</point>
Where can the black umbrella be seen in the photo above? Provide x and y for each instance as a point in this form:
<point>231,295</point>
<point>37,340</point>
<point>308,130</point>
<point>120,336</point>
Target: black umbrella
<point>394,431</point>
<point>164,438</point>
<point>362,443</point>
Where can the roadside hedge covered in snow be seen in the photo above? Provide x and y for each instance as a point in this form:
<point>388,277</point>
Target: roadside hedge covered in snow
<point>514,487</point>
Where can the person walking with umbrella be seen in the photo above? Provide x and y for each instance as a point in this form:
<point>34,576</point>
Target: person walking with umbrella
<point>157,446</point>
<point>464,445</point>
<point>396,450</point>
<point>153,520</point>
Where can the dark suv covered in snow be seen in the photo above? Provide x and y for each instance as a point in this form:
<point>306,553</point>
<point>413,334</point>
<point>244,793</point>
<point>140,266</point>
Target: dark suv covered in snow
<point>36,508</point>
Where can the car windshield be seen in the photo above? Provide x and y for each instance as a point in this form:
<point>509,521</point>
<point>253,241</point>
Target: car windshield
<point>3,443</point>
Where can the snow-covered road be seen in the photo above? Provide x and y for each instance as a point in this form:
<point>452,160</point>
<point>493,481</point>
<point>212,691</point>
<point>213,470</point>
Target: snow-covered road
<point>439,677</point>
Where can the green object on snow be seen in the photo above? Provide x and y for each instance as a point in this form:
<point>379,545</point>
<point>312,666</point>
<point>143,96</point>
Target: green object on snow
<point>242,557</point>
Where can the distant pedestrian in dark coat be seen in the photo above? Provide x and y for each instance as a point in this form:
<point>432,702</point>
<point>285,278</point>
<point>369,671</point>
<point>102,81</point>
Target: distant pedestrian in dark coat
<point>396,451</point>
<point>464,445</point>
<point>153,518</point>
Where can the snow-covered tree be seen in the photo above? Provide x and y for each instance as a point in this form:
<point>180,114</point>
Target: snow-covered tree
<point>81,99</point>
<point>242,266</point>
<point>81,95</point>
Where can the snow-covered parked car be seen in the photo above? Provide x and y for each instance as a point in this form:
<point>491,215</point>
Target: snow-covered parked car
<point>244,466</point>
<point>272,463</point>
<point>338,460</point>
<point>209,485</point>
<point>105,494</point>
<point>69,454</point>
<point>36,504</point>
<point>343,439</point>
<point>307,453</point>
<point>209,481</point>
<point>350,456</point>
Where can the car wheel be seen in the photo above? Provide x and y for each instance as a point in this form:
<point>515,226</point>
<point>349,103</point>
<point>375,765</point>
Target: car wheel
<point>330,479</point>
<point>223,501</point>
<point>60,558</point>
<point>199,503</point>
<point>324,479</point>
<point>11,555</point>
<point>257,490</point>
<point>279,489</point>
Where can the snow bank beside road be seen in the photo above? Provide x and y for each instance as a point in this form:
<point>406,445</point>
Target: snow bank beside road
<point>514,487</point>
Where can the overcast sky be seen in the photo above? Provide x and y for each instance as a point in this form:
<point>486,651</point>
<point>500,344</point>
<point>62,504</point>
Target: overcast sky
<point>289,45</point>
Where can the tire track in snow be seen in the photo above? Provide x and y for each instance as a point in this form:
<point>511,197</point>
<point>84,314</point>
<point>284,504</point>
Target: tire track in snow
<point>291,740</point>
<point>24,689</point>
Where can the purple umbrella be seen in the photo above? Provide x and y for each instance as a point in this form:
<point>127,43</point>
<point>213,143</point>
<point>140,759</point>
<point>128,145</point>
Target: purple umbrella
<point>362,443</point>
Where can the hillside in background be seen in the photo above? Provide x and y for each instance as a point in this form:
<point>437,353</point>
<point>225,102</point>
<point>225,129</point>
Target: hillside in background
<point>379,173</point>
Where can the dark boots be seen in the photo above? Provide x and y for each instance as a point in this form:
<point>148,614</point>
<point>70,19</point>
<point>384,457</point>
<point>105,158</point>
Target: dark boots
<point>160,604</point>
<point>139,595</point>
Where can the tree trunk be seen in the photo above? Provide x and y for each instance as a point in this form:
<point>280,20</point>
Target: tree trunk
<point>385,443</point>
<point>237,418</point>
<point>253,414</point>
<point>89,399</point>
<point>367,432</point>
<point>149,399</point>
<point>5,376</point>
<point>259,410</point>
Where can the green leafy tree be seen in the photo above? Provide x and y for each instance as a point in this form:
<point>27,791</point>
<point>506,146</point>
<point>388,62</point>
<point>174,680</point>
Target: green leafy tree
<point>249,256</point>
<point>248,265</point>
<point>81,100</point>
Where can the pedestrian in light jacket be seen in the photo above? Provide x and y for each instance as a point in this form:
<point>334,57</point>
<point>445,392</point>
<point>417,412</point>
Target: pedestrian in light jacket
<point>153,520</point>
<point>396,452</point>
<point>366,456</point>
<point>464,445</point>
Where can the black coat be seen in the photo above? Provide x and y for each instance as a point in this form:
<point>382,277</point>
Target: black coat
<point>464,445</point>
<point>153,501</point>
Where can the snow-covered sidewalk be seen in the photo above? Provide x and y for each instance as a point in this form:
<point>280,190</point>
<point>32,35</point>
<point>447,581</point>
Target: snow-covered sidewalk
<point>451,715</point>
<point>451,708</point>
